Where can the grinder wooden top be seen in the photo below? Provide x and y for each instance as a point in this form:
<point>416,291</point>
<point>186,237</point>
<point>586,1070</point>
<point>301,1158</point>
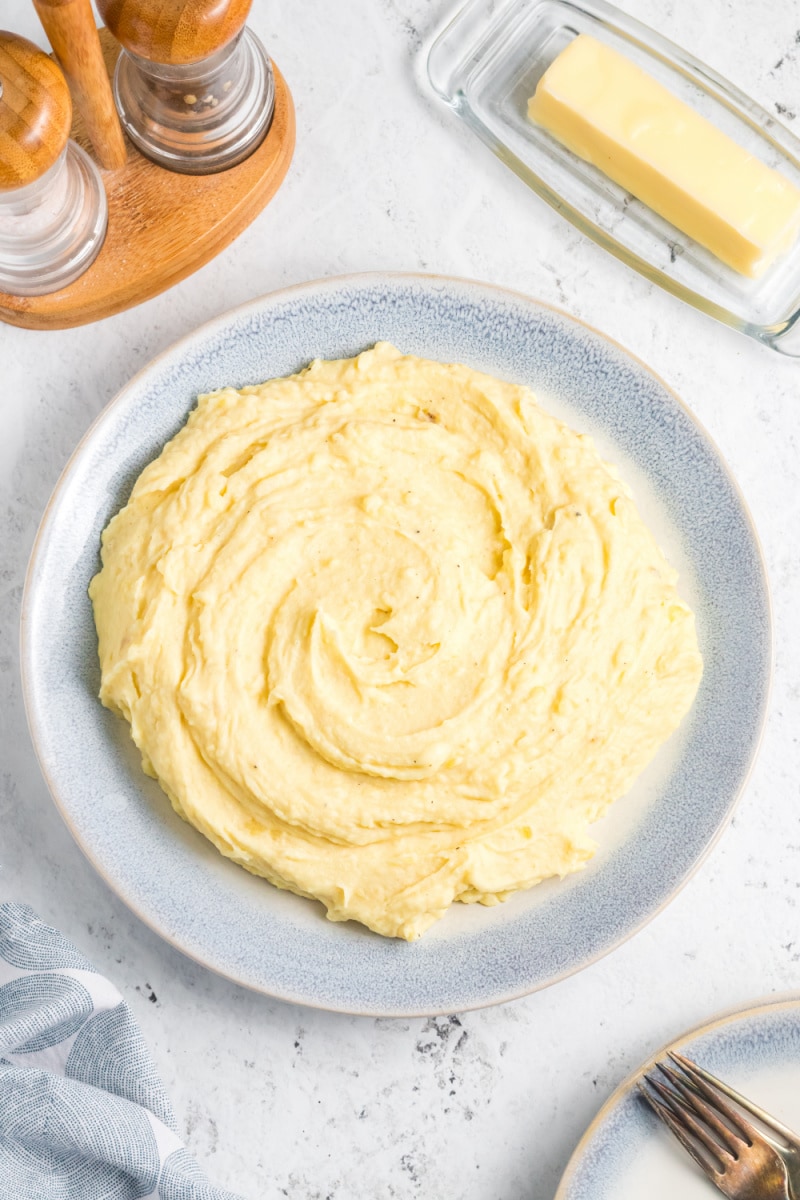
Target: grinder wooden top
<point>35,112</point>
<point>174,31</point>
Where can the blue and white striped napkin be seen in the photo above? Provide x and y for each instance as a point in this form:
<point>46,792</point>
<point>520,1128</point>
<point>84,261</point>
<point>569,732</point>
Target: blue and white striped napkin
<point>83,1113</point>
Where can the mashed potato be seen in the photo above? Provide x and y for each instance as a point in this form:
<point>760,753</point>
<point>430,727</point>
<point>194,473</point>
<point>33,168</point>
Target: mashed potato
<point>390,636</point>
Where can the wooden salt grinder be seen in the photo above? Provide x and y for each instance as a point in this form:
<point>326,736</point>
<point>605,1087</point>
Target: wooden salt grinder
<point>52,204</point>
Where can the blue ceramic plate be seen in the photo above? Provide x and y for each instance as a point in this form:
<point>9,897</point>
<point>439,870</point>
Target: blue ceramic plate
<point>626,1154</point>
<point>651,841</point>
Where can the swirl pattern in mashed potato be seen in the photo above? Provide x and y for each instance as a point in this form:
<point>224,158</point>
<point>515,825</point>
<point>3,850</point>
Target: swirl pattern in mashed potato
<point>390,635</point>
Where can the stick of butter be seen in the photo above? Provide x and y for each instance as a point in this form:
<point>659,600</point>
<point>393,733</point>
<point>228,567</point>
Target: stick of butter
<point>609,112</point>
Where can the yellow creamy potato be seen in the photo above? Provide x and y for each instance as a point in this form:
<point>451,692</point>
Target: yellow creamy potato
<point>390,635</point>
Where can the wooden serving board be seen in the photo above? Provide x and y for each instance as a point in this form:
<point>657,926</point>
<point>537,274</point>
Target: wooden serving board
<point>161,226</point>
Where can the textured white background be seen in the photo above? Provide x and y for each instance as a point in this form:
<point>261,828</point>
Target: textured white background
<point>281,1101</point>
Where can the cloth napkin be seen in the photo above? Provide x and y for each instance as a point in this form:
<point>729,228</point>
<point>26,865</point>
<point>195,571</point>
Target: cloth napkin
<point>83,1112</point>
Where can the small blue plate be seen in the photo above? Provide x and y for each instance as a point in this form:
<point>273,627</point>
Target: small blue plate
<point>627,1154</point>
<point>651,841</point>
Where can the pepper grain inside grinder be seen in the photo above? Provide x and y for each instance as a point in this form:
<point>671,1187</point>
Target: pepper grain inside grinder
<point>193,87</point>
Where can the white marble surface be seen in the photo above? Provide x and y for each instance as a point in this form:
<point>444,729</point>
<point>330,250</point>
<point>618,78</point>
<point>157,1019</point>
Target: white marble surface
<point>281,1101</point>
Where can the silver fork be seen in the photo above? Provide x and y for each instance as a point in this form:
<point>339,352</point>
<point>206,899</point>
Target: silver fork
<point>745,1162</point>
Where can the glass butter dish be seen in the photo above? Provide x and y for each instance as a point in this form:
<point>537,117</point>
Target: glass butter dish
<point>486,64</point>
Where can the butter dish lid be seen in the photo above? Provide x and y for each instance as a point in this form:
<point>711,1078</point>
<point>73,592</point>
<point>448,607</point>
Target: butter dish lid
<point>486,63</point>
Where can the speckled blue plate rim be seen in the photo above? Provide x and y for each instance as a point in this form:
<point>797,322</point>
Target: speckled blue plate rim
<point>729,1038</point>
<point>498,331</point>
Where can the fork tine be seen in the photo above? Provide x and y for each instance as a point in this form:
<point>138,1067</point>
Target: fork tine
<point>666,1115</point>
<point>684,1114</point>
<point>729,1137</point>
<point>700,1077</point>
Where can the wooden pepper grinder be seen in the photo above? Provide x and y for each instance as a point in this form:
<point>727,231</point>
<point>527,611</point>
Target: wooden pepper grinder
<point>194,88</point>
<point>53,210</point>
